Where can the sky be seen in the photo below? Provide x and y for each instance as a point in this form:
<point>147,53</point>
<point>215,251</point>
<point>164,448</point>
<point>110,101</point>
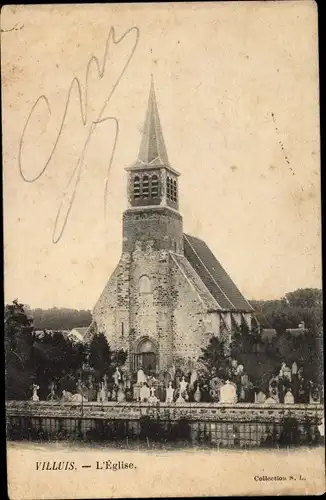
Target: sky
<point>237,92</point>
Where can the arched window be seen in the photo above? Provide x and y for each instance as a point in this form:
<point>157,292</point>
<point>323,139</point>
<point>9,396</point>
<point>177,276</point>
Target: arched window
<point>136,187</point>
<point>146,346</point>
<point>145,186</point>
<point>154,186</point>
<point>144,284</point>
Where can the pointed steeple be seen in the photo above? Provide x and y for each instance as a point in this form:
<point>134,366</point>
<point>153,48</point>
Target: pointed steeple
<point>152,149</point>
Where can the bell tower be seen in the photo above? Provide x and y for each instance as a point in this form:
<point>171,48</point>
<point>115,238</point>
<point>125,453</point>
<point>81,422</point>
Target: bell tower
<point>152,190</point>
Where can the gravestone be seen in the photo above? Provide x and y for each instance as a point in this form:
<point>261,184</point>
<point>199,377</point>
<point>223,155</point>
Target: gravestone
<point>117,377</point>
<point>167,379</point>
<point>287,373</point>
<point>66,396</point>
<point>78,398</point>
<point>234,363</point>
<point>197,395</point>
<point>273,393</point>
<point>242,394</point>
<point>103,393</point>
<point>171,371</point>
<point>141,377</point>
<point>270,401</point>
<point>228,393</point>
<point>193,377</point>
<point>183,386</point>
<point>52,396</point>
<point>240,369</point>
<point>260,397</point>
<point>180,399</point>
<point>288,398</point>
<point>314,397</point>
<point>169,394</point>
<point>136,392</point>
<point>281,373</point>
<point>144,393</point>
<point>152,398</point>
<point>35,396</point>
<point>113,394</point>
<point>215,385</point>
<point>121,397</point>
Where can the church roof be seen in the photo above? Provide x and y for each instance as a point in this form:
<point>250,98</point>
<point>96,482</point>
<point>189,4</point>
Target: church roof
<point>193,278</point>
<point>152,149</point>
<point>214,276</point>
<point>80,330</point>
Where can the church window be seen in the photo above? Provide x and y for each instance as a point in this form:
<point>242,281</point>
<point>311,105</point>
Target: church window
<point>136,187</point>
<point>171,189</point>
<point>154,186</point>
<point>168,187</point>
<point>144,284</point>
<point>145,186</point>
<point>174,190</point>
<point>122,329</point>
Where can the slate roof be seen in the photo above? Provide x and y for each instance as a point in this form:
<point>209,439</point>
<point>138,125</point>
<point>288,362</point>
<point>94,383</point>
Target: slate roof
<point>214,276</point>
<point>81,330</point>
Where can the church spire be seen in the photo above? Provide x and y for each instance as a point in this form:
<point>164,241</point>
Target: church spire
<point>152,149</point>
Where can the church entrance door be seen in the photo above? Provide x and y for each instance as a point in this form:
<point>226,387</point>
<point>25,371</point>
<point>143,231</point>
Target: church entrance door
<point>146,357</point>
<point>148,361</point>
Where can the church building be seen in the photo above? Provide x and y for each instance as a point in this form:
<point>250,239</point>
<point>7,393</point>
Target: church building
<point>168,294</point>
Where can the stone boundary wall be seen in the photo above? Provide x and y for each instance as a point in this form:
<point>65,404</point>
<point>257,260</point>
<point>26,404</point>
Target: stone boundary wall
<point>203,412</point>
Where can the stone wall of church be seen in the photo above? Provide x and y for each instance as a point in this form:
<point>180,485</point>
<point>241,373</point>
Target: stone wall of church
<point>161,225</point>
<point>105,309</point>
<point>148,296</point>
<point>150,307</point>
<point>191,330</point>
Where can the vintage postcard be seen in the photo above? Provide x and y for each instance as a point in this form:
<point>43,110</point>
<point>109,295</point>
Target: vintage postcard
<point>162,240</point>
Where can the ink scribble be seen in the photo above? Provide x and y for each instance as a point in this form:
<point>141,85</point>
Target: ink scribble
<point>14,28</point>
<point>70,191</point>
<point>282,145</point>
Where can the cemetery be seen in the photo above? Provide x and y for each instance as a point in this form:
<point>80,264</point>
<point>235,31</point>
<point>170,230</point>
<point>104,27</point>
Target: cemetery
<point>227,413</point>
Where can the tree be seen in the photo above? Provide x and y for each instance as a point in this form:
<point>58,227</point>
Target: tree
<point>55,358</point>
<point>119,357</point>
<point>60,318</point>
<point>304,304</point>
<point>260,361</point>
<point>19,342</point>
<point>213,356</point>
<point>100,356</point>
<point>305,297</point>
<point>247,348</point>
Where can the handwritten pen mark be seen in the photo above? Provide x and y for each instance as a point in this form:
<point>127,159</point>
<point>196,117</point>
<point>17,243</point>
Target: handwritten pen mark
<point>71,189</point>
<point>14,28</point>
<point>282,146</point>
